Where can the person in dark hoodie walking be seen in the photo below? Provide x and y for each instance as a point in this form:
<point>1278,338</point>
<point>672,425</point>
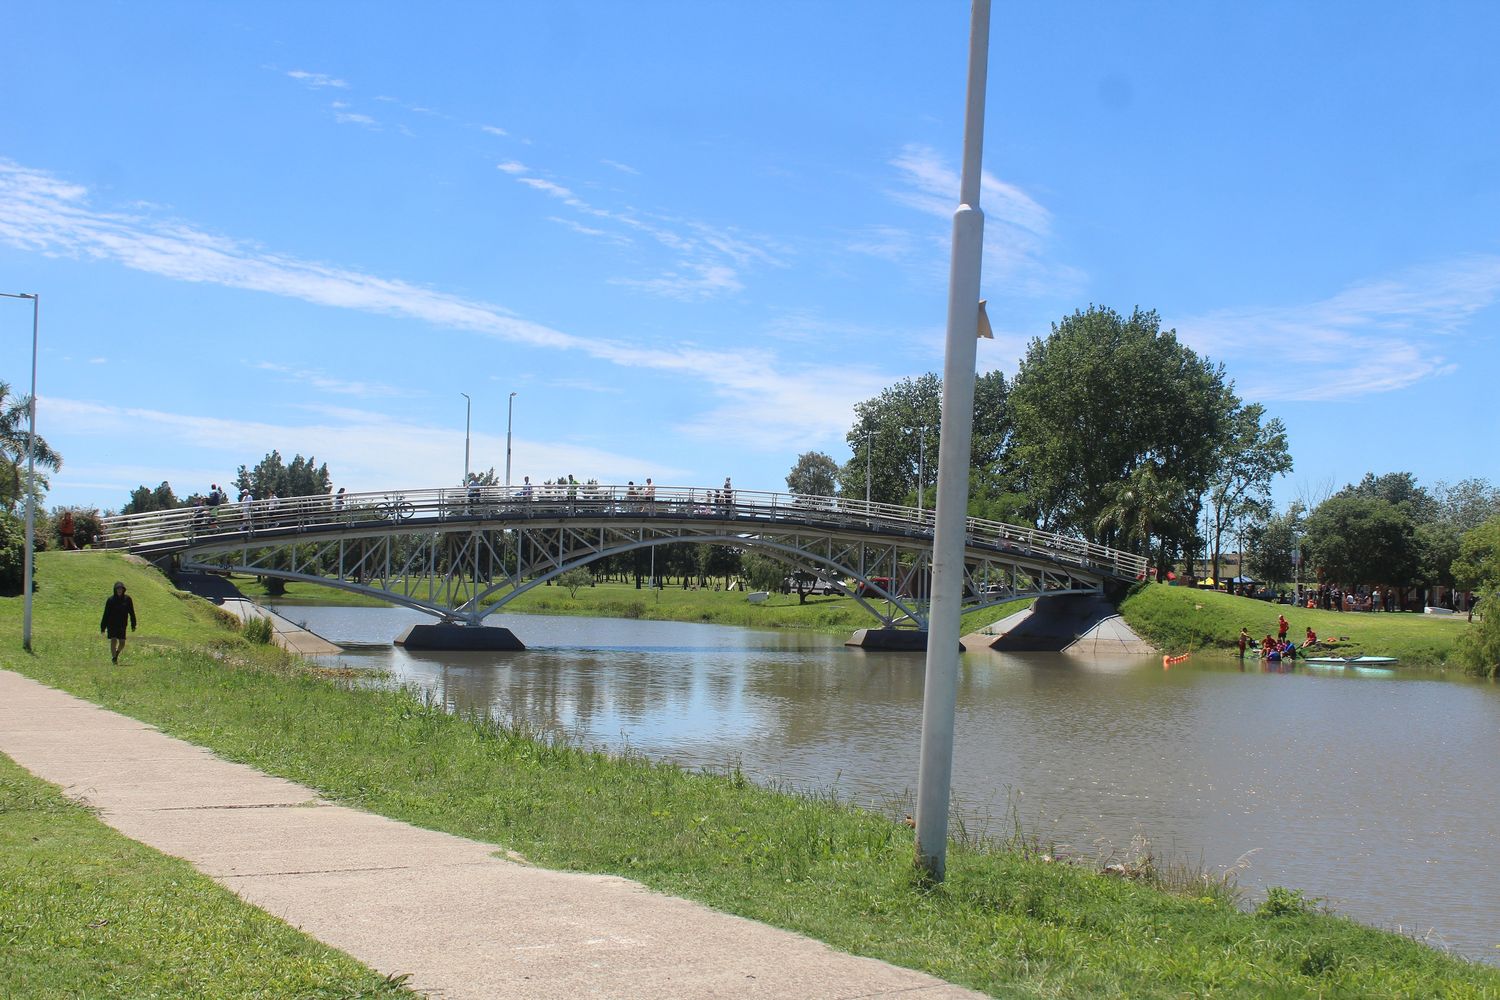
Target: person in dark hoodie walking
<point>117,610</point>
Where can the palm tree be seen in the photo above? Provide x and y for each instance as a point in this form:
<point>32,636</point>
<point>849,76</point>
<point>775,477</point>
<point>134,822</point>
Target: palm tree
<point>14,438</point>
<point>1144,501</point>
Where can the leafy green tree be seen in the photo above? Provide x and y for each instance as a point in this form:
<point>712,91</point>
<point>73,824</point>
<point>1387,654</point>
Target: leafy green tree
<point>1400,490</point>
<point>1102,396</point>
<point>144,499</point>
<point>1353,540</point>
<point>575,578</point>
<point>1252,455</point>
<point>1467,503</point>
<point>1273,545</point>
<point>814,475</point>
<point>1477,565</point>
<point>1437,547</point>
<point>303,478</point>
<point>716,561</point>
<point>14,439</point>
<point>762,572</point>
<point>887,431</point>
<point>12,555</point>
<point>1479,647</point>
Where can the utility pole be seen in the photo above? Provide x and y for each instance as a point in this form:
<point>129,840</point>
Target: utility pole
<point>940,686</point>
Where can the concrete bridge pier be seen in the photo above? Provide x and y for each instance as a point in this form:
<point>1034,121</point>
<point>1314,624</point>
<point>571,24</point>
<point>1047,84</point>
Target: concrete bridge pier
<point>454,636</point>
<point>895,640</point>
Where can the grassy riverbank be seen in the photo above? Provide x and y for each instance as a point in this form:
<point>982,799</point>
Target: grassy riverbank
<point>1006,921</point>
<point>1178,619</point>
<point>88,912</point>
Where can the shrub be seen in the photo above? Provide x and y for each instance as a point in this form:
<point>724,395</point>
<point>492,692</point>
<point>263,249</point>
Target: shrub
<point>258,630</point>
<point>1282,902</point>
<point>12,555</point>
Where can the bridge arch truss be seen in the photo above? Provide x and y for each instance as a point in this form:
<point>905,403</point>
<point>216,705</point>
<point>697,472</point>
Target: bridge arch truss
<point>462,555</point>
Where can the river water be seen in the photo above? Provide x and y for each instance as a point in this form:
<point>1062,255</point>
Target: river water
<point>1375,792</point>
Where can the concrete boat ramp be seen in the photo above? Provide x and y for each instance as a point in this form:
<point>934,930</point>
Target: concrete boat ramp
<point>1083,624</point>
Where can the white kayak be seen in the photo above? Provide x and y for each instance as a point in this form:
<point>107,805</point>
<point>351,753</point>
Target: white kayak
<point>1351,661</point>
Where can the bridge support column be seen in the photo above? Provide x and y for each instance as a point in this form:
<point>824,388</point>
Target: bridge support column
<point>450,637</point>
<point>900,640</point>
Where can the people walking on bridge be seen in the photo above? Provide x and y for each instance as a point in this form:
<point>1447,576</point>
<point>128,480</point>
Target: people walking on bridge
<point>247,499</point>
<point>118,608</point>
<point>727,495</point>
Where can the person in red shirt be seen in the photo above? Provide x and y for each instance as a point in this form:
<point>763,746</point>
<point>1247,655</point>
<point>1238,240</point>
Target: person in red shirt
<point>1281,627</point>
<point>1311,640</point>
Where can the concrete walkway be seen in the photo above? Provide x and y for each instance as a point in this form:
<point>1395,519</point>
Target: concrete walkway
<point>462,922</point>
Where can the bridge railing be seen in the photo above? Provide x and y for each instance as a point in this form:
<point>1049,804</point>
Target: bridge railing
<point>192,524</point>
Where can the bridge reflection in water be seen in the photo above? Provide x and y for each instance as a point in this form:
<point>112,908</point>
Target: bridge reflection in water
<point>461,555</point>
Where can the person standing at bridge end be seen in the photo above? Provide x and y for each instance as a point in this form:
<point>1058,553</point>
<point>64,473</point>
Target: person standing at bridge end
<point>118,608</point>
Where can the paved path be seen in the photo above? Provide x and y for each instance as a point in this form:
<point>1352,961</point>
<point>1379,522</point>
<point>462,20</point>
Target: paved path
<point>463,922</point>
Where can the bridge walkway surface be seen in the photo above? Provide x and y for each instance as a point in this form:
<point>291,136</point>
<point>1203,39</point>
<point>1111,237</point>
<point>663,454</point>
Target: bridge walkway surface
<point>462,921</point>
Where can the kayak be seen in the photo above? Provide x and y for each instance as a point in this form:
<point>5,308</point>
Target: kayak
<point>1351,661</point>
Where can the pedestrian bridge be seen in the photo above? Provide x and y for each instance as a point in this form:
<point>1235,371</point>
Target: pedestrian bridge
<point>461,555</point>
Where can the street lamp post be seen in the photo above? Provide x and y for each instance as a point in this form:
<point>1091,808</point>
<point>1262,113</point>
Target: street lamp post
<point>510,409</point>
<point>36,315</point>
<point>468,410</point>
<point>869,446</point>
<point>940,681</point>
<point>921,465</point>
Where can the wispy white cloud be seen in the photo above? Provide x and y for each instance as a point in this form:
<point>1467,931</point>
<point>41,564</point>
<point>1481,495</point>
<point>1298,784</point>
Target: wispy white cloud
<point>324,382</point>
<point>709,258</point>
<point>601,234</point>
<point>1018,229</point>
<point>623,168</point>
<point>1373,337</point>
<point>317,79</point>
<point>554,189</point>
<point>512,167</point>
<point>361,448</point>
<point>695,281</point>
<point>353,118</point>
<point>493,130</point>
<point>39,213</point>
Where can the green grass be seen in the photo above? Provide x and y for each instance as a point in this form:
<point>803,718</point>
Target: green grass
<point>87,912</point>
<point>1178,619</point>
<point>1005,921</point>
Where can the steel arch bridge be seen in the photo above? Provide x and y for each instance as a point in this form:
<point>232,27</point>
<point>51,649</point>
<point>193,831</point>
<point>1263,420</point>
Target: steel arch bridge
<point>461,555</point>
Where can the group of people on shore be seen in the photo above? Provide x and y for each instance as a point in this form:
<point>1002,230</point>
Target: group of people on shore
<point>1278,648</point>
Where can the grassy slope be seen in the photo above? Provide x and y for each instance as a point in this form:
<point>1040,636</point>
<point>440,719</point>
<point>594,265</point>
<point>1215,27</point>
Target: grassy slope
<point>1177,619</point>
<point>1002,922</point>
<point>85,911</point>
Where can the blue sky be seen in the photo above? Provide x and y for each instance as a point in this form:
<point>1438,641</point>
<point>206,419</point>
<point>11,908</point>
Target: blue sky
<point>690,236</point>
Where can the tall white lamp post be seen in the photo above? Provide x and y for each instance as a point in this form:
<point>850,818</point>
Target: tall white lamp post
<point>468,410</point>
<point>940,685</point>
<point>510,409</point>
<point>36,317</point>
<point>921,464</point>
<point>869,447</point>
